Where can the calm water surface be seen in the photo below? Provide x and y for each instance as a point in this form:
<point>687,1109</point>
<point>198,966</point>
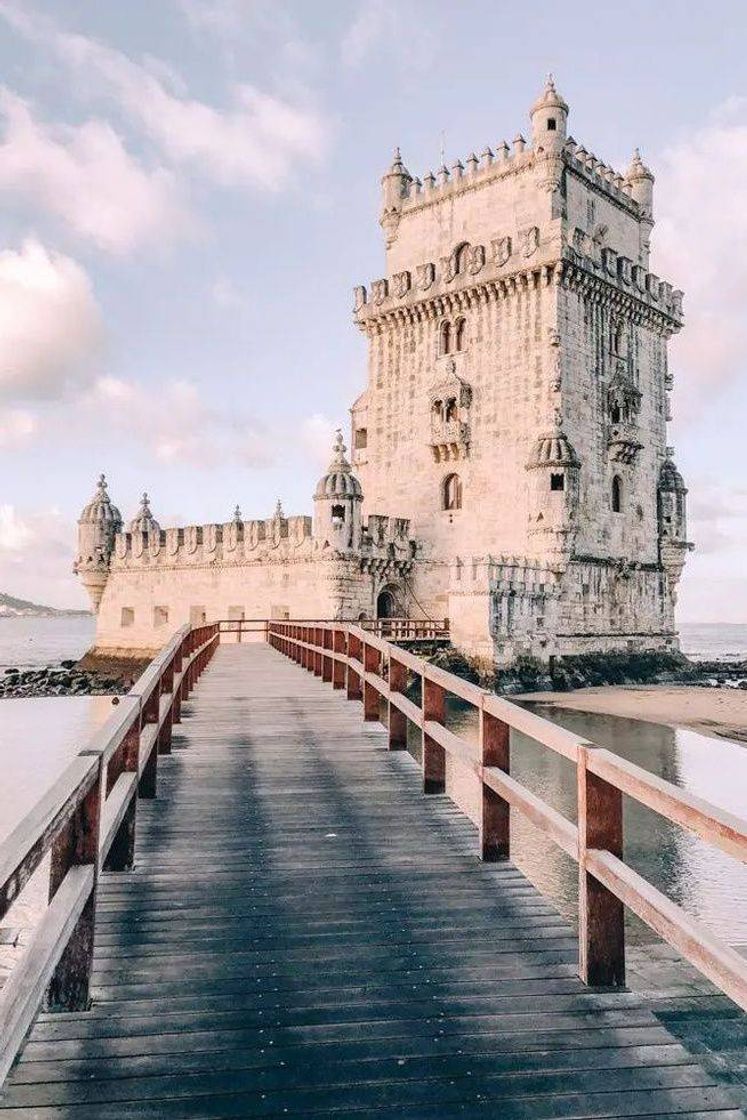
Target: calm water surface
<point>708,884</point>
<point>36,642</point>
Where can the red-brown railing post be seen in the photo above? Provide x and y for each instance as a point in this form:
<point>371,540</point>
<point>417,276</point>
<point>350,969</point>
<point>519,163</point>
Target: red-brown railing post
<point>371,664</point>
<point>121,855</point>
<point>167,687</point>
<point>434,756</point>
<point>340,646</point>
<point>77,844</point>
<point>354,690</point>
<point>176,707</point>
<point>326,659</point>
<point>601,916</point>
<point>397,719</point>
<point>149,777</point>
<point>495,740</point>
<point>318,639</point>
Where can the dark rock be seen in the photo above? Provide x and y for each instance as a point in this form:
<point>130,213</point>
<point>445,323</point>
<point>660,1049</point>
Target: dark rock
<point>68,664</point>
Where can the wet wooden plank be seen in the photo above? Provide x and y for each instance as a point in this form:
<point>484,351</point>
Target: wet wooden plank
<point>304,934</point>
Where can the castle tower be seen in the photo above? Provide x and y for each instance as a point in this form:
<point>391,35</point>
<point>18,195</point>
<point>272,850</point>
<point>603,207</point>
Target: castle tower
<point>516,292</point>
<point>98,524</point>
<point>337,504</point>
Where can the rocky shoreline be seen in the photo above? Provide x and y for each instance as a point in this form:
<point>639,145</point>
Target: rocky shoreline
<point>91,676</point>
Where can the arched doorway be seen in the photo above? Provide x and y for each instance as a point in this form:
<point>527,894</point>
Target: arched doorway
<point>386,604</point>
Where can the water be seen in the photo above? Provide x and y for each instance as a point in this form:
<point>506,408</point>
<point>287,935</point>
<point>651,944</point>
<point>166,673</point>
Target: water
<point>29,643</point>
<point>707,883</point>
<point>718,640</point>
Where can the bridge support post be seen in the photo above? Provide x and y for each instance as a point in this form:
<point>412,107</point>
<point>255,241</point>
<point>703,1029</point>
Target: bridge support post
<point>176,707</point>
<point>397,719</point>
<point>340,646</point>
<point>354,690</point>
<point>77,845</point>
<point>121,855</point>
<point>149,776</point>
<point>434,755</point>
<point>371,664</point>
<point>494,811</point>
<point>601,915</point>
<point>318,642</point>
<point>327,661</point>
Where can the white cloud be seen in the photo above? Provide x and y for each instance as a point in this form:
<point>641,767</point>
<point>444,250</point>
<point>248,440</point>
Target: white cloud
<point>50,327</point>
<point>36,557</point>
<point>17,426</point>
<point>384,24</point>
<point>317,437</point>
<point>173,423</point>
<point>701,209</point>
<point>256,141</point>
<point>83,175</point>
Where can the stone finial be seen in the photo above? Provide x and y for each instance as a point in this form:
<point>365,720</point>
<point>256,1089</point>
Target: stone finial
<point>472,163</point>
<point>144,521</point>
<point>237,515</point>
<point>501,152</point>
<point>638,169</point>
<point>338,451</point>
<point>550,98</point>
<point>279,515</point>
<point>443,175</point>
<point>519,144</point>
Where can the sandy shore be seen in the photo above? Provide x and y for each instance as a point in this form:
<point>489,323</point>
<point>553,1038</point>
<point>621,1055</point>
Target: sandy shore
<point>713,711</point>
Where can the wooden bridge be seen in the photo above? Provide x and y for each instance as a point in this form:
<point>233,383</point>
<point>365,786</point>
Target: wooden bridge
<point>254,911</point>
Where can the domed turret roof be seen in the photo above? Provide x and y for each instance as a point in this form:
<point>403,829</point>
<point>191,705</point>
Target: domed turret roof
<point>553,449</point>
<point>100,510</point>
<point>550,98</point>
<point>638,169</point>
<point>669,477</point>
<point>144,521</point>
<point>339,481</point>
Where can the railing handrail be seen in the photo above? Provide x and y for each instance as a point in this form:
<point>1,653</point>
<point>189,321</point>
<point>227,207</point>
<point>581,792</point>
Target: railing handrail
<point>352,658</point>
<point>86,820</point>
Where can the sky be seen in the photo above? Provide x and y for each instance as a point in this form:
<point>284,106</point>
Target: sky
<point>189,192</point>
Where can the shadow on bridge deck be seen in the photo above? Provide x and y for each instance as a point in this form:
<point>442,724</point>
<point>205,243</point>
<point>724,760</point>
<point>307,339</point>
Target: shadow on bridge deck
<point>304,933</point>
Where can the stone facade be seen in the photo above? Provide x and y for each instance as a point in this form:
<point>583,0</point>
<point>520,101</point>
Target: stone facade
<point>513,430</point>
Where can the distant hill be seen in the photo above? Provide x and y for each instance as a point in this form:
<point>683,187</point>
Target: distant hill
<point>21,608</point>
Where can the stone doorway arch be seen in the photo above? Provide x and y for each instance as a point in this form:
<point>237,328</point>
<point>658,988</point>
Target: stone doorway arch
<point>388,603</point>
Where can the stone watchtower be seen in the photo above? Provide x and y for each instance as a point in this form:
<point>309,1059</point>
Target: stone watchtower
<point>98,524</point>
<point>518,395</point>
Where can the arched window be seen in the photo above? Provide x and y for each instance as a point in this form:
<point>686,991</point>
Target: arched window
<point>452,492</point>
<point>460,329</point>
<point>445,337</point>
<point>437,408</point>
<point>451,410</point>
<point>461,257</point>
<point>617,494</point>
<point>338,514</point>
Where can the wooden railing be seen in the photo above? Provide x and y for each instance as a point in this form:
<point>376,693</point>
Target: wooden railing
<point>395,629</point>
<point>87,821</point>
<point>371,669</point>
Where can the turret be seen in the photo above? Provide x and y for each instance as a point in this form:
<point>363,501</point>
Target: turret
<point>639,181</point>
<point>549,132</point>
<point>337,504</point>
<point>144,521</point>
<point>395,186</point>
<point>554,471</point>
<point>549,116</point>
<point>672,511</point>
<point>98,524</point>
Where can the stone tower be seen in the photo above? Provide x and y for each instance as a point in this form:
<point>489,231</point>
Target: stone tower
<point>518,395</point>
<point>98,524</point>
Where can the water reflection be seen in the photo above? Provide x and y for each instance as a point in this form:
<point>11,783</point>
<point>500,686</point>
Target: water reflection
<point>706,882</point>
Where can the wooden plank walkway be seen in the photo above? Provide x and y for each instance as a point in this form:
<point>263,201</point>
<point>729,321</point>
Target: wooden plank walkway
<point>305,934</point>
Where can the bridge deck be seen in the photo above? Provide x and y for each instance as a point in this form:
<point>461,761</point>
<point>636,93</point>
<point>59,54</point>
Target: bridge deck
<point>305,934</point>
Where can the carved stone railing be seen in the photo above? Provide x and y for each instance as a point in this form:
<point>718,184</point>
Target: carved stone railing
<point>373,670</point>
<point>85,822</point>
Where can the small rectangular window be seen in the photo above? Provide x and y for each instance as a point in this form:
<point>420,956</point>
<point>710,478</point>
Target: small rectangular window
<point>557,482</point>
<point>197,616</point>
<point>551,124</point>
<point>127,617</point>
<point>160,616</point>
<point>360,439</point>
